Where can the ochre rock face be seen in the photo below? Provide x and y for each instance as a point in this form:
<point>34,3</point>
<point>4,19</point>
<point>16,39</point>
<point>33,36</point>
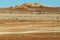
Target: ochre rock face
<point>28,5</point>
<point>37,5</point>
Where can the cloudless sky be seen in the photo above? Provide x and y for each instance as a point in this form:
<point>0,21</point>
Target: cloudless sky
<point>7,3</point>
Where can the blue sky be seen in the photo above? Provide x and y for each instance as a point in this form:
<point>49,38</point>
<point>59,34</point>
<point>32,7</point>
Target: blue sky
<point>7,3</point>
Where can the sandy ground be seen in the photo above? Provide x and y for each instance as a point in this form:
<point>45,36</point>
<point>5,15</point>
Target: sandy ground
<point>30,31</point>
<point>31,36</point>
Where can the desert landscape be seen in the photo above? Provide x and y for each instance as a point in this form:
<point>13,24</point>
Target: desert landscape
<point>30,22</point>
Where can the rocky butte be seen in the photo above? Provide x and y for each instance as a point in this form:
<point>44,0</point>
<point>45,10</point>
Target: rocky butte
<point>37,7</point>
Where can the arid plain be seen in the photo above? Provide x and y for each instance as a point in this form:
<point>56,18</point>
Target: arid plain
<point>30,22</point>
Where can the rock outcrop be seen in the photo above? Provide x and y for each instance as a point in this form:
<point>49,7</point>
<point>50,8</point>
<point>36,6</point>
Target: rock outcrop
<point>28,5</point>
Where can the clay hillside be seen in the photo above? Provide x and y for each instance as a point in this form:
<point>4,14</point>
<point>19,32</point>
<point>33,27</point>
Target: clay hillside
<point>36,7</point>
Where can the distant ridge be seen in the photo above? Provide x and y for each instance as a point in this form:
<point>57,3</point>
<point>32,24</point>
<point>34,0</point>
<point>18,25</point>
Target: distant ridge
<point>35,7</point>
<point>28,5</point>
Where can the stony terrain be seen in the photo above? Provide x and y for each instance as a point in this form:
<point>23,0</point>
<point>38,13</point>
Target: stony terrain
<point>30,22</point>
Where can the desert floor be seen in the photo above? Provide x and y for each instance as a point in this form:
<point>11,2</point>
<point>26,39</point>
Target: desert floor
<point>30,31</point>
<point>31,36</point>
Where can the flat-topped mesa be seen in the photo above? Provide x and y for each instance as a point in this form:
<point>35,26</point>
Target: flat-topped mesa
<point>28,5</point>
<point>36,7</point>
